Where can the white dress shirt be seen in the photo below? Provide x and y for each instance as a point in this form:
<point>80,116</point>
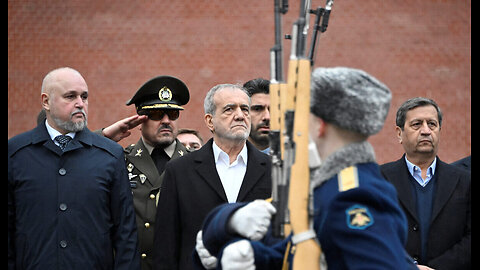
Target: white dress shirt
<point>231,175</point>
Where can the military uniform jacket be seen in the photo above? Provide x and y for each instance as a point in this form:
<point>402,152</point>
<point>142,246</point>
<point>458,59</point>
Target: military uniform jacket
<point>145,183</point>
<point>357,219</point>
<point>72,209</point>
<point>192,188</point>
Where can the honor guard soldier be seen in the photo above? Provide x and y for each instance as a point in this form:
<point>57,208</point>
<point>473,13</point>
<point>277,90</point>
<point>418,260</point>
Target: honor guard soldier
<point>357,219</point>
<point>161,99</point>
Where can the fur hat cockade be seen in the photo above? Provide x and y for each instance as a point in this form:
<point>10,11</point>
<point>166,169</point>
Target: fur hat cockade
<point>350,98</point>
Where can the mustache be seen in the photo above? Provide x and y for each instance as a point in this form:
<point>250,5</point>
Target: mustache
<point>263,125</point>
<point>165,126</point>
<point>82,111</point>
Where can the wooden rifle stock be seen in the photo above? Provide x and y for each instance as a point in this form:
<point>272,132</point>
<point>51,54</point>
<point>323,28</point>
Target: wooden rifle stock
<point>307,252</point>
<point>289,139</point>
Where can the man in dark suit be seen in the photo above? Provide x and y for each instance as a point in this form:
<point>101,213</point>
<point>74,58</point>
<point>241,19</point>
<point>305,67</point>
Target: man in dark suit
<point>434,195</point>
<point>69,204</point>
<point>226,169</point>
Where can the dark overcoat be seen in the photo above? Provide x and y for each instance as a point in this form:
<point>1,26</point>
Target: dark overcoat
<point>72,209</point>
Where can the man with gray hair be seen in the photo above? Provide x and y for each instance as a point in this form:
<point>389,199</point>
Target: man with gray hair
<point>227,168</point>
<point>357,219</point>
<point>69,203</point>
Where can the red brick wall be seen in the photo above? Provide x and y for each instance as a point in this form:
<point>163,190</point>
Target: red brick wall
<point>418,48</point>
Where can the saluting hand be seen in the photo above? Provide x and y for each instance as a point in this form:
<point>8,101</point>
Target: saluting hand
<point>121,129</point>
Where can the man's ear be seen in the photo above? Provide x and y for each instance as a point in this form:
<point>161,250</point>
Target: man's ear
<point>322,127</point>
<point>45,101</point>
<point>399,131</point>
<point>208,121</point>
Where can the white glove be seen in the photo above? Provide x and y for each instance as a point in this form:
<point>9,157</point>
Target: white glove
<point>208,261</point>
<point>253,219</point>
<point>238,256</point>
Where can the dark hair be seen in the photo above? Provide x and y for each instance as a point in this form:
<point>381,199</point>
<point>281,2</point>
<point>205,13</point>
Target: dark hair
<point>190,131</point>
<point>412,104</point>
<point>258,85</point>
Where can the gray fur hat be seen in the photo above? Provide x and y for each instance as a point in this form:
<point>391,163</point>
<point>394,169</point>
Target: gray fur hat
<point>349,98</point>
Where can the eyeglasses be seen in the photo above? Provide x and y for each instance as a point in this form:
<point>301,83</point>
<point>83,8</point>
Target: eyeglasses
<point>157,115</point>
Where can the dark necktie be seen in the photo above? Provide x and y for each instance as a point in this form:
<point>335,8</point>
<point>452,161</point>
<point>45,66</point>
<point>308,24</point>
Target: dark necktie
<point>63,140</point>
<point>160,158</point>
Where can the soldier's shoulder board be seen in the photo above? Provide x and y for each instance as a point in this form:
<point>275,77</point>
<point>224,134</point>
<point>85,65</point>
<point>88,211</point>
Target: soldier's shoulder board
<point>348,179</point>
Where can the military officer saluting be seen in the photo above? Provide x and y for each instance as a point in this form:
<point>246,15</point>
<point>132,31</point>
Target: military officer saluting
<point>161,100</point>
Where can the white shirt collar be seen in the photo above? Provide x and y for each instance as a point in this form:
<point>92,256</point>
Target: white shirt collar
<point>220,155</point>
<point>54,133</point>
<point>169,149</point>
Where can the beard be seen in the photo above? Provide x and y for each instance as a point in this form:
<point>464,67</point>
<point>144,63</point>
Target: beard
<point>260,137</point>
<point>69,125</point>
<point>234,136</point>
<point>163,140</point>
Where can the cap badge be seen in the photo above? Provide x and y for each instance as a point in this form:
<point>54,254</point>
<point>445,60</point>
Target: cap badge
<point>165,94</point>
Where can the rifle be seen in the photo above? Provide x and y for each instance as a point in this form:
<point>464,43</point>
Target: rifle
<point>277,90</point>
<point>290,109</point>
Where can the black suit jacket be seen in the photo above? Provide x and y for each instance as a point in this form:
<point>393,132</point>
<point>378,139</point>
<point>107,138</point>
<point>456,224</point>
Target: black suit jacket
<point>191,188</point>
<point>449,237</point>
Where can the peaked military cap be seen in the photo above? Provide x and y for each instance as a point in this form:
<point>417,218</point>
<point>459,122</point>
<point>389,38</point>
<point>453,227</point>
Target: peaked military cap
<point>161,92</point>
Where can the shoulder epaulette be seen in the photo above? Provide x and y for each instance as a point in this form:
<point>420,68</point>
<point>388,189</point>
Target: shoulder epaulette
<point>348,179</point>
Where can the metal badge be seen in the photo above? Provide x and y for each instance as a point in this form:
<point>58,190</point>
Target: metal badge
<point>143,177</point>
<point>165,94</point>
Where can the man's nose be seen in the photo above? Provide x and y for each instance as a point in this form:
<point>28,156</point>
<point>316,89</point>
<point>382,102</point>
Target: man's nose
<point>425,129</point>
<point>79,102</point>
<point>266,114</point>
<point>239,114</point>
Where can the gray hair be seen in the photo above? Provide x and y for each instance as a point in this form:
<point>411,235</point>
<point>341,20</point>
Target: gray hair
<point>209,104</point>
<point>412,104</point>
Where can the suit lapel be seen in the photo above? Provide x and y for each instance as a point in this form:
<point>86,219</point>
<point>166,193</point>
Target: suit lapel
<point>445,185</point>
<point>206,168</point>
<point>401,180</point>
<point>255,169</point>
